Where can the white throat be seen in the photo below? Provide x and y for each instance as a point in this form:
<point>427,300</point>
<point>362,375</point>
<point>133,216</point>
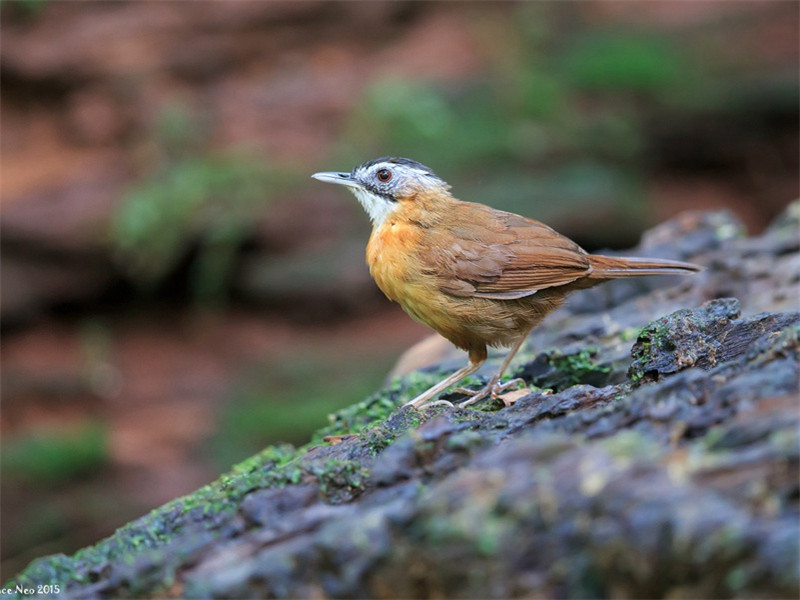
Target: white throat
<point>377,208</point>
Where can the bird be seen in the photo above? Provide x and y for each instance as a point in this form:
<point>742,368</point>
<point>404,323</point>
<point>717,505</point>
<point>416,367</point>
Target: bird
<point>477,275</point>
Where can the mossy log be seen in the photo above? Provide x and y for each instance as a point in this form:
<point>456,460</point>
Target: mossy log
<point>656,456</point>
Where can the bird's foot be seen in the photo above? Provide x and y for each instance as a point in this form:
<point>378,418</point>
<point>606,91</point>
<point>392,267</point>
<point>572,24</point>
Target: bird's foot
<point>438,403</point>
<point>494,388</point>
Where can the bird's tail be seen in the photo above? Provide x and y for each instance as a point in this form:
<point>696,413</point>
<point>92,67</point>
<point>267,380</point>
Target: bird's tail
<point>613,267</point>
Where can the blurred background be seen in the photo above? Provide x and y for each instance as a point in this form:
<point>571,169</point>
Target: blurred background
<point>177,293</point>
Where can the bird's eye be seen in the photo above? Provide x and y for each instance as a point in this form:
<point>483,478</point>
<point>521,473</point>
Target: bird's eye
<point>384,175</point>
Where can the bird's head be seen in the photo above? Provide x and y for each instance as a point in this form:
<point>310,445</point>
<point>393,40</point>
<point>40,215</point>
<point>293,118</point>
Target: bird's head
<point>385,184</point>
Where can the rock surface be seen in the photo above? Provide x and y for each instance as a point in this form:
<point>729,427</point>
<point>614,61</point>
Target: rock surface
<point>660,459</point>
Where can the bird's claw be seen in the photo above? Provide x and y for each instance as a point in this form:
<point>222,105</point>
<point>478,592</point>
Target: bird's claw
<point>493,389</point>
<point>438,403</point>
<point>502,387</point>
<point>463,391</point>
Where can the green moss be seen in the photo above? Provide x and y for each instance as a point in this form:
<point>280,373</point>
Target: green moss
<point>275,466</point>
<point>378,442</point>
<point>398,423</point>
<point>207,509</point>
<point>340,480</point>
<point>652,339</point>
<point>376,408</point>
<point>653,335</point>
<point>470,417</point>
<point>276,456</point>
<point>212,507</point>
<point>54,570</point>
<point>357,417</point>
<point>381,437</point>
<point>656,350</point>
<point>581,364</point>
<point>576,367</point>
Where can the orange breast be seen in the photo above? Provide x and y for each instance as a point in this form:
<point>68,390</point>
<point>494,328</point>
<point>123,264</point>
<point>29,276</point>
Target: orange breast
<point>393,258</point>
<point>391,253</point>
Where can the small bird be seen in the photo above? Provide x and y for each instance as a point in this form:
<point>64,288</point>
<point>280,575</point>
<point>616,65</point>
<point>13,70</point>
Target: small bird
<point>477,275</point>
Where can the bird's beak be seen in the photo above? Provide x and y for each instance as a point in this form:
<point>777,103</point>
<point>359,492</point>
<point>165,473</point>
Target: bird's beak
<point>334,177</point>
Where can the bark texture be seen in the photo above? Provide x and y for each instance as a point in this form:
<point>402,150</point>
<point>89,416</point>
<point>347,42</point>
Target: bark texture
<point>657,456</point>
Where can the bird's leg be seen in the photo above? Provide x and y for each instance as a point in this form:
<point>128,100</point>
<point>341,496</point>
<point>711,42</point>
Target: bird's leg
<point>476,359</point>
<point>494,386</point>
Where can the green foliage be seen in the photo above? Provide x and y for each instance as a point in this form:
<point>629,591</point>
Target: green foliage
<point>413,118</point>
<point>22,9</point>
<point>49,457</point>
<point>555,127</point>
<point>193,199</point>
<point>618,61</point>
<point>204,201</point>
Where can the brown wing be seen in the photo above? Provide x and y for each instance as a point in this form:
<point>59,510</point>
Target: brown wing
<point>495,254</point>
